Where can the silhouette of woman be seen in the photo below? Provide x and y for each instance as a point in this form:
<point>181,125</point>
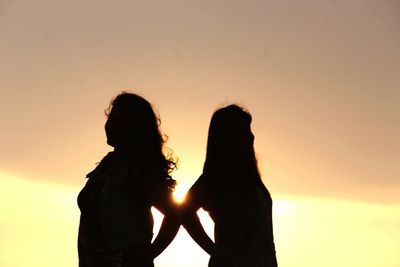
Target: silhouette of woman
<point>231,190</point>
<point>116,223</point>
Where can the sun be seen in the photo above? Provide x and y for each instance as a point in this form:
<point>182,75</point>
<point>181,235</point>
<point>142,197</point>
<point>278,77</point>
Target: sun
<point>180,192</point>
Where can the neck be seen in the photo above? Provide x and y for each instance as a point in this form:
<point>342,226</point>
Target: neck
<point>124,151</point>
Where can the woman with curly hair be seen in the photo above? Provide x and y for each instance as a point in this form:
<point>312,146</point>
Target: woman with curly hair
<point>116,224</point>
<point>231,190</point>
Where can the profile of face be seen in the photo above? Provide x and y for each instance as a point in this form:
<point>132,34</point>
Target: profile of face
<point>117,129</point>
<point>240,137</point>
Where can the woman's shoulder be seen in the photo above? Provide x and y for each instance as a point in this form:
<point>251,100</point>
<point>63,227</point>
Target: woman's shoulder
<point>116,171</point>
<point>102,166</point>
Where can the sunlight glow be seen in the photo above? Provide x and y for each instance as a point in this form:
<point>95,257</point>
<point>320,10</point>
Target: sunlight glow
<point>281,207</point>
<point>180,192</point>
<point>36,215</point>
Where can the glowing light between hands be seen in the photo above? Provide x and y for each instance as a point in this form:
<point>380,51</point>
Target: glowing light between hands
<point>180,192</point>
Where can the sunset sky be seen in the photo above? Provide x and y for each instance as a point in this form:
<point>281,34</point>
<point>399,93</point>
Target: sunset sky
<point>321,79</point>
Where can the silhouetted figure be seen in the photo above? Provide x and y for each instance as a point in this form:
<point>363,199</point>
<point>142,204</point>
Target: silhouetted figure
<point>116,224</point>
<point>231,190</point>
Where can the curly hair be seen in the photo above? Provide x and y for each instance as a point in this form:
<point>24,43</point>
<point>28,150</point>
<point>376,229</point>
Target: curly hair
<point>157,161</point>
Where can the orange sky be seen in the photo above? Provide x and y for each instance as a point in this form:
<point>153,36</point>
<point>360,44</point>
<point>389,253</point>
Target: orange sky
<point>320,78</point>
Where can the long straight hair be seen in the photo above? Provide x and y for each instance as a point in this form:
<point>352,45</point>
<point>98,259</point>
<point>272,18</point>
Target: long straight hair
<point>225,164</point>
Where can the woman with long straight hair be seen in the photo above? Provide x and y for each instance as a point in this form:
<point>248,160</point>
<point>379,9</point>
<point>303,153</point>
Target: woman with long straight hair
<point>231,190</point>
<point>116,223</point>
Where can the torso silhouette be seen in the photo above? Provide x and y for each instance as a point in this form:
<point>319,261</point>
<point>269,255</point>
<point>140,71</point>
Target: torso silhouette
<point>114,213</point>
<point>243,226</point>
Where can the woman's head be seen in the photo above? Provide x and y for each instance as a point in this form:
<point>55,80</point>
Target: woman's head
<point>229,135</point>
<point>132,124</point>
<point>132,128</point>
<point>230,151</point>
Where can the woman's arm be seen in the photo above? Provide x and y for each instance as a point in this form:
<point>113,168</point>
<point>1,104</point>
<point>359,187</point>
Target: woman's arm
<point>192,224</point>
<point>190,220</point>
<point>170,223</point>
